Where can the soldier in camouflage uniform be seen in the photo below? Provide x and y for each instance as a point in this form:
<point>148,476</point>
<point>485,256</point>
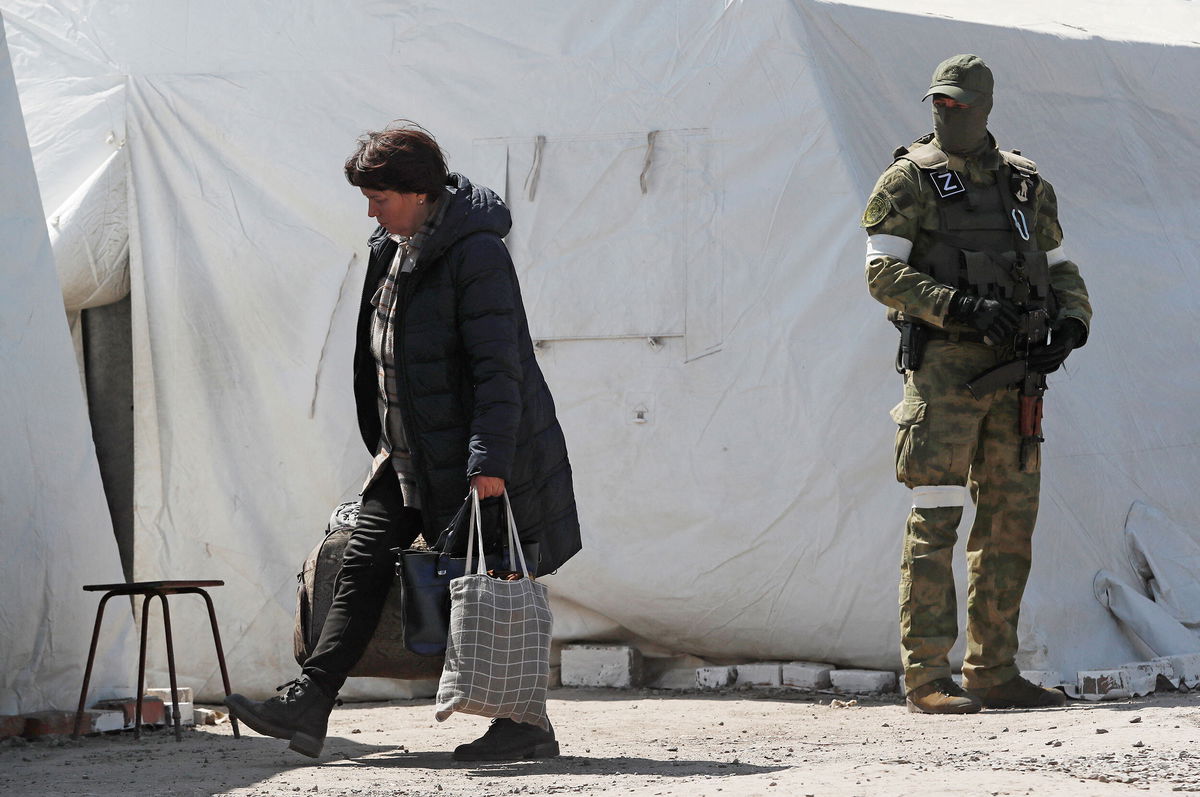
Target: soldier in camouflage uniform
<point>965,249</point>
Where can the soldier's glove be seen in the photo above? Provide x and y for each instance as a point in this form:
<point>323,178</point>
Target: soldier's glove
<point>1065,335</point>
<point>997,319</point>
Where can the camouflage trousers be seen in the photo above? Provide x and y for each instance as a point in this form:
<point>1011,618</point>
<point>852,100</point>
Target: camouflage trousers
<point>948,440</point>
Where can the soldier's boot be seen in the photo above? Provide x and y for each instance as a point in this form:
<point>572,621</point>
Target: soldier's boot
<point>506,740</point>
<point>942,696</point>
<point>1016,692</point>
<point>300,714</point>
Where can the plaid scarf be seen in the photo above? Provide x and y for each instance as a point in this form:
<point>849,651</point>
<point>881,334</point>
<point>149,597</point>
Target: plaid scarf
<point>393,442</point>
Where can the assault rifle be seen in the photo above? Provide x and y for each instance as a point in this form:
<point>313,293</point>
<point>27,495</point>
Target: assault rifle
<point>1017,372</point>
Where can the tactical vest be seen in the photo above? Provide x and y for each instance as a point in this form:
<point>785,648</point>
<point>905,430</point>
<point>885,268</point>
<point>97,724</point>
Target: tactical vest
<point>985,243</point>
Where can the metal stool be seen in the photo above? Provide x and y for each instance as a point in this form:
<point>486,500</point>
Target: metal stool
<point>152,589</point>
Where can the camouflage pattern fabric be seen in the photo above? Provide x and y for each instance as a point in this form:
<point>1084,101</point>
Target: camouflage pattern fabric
<point>911,209</point>
<point>947,437</point>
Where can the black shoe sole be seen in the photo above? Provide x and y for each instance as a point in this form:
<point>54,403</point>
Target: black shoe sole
<point>544,750</point>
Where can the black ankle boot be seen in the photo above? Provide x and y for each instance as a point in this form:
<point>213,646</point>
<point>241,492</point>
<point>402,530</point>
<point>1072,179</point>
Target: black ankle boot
<point>506,740</point>
<point>300,714</point>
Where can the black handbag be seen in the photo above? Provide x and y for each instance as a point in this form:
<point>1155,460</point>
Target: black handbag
<point>425,576</point>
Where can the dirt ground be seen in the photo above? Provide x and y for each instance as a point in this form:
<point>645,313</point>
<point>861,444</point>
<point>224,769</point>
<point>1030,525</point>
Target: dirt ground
<point>733,744</point>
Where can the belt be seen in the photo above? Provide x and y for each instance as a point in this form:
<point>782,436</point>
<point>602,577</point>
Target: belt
<point>955,336</point>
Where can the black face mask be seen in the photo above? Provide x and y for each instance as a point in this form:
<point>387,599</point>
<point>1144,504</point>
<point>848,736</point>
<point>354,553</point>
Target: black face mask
<point>962,131</point>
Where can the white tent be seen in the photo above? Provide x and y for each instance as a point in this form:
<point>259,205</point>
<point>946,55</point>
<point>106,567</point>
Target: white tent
<point>54,524</point>
<point>690,260</point>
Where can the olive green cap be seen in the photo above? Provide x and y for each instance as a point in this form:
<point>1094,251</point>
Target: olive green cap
<point>965,78</point>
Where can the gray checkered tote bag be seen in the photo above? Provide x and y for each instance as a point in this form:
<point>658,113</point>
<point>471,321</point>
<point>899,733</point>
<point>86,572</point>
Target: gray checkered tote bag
<point>498,650</point>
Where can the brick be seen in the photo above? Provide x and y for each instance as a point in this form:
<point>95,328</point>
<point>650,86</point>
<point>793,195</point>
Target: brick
<point>56,723</point>
<point>1142,677</point>
<point>11,725</point>
<point>152,709</point>
<point>1185,669</point>
<point>806,674</point>
<point>671,672</point>
<point>862,682</point>
<point>1102,684</point>
<point>614,666</point>
<point>163,693</point>
<point>760,674</point>
<point>187,714</point>
<point>107,721</point>
<point>716,677</point>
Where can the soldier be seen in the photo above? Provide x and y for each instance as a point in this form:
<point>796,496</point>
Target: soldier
<point>965,249</point>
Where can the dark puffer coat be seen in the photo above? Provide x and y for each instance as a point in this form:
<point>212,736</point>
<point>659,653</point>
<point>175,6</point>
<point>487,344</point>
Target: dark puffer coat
<point>473,397</point>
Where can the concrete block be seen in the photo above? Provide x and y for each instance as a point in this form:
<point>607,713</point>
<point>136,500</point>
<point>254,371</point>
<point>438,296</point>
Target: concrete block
<point>163,693</point>
<point>209,716</point>
<point>11,725</point>
<point>1102,685</point>
<point>614,666</point>
<point>57,723</point>
<point>768,673</point>
<point>671,672</point>
<point>805,674</point>
<point>1050,679</point>
<point>107,721</point>
<point>1185,669</point>
<point>716,677</point>
<point>152,709</point>
<point>1143,676</point>
<point>861,682</point>
<point>187,714</point>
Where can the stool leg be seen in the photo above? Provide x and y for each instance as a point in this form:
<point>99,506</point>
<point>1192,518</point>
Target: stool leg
<point>212,619</point>
<point>171,667</point>
<point>141,686</point>
<point>87,673</point>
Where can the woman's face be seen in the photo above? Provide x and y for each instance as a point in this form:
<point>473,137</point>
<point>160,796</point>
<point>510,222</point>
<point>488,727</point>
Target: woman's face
<point>400,214</point>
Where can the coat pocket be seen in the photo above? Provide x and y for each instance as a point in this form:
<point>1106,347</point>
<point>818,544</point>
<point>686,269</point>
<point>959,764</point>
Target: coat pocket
<point>906,414</point>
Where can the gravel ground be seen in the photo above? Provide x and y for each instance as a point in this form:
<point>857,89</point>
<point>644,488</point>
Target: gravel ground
<point>733,744</point>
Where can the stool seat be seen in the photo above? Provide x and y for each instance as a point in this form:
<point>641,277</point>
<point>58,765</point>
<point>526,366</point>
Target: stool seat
<point>150,590</point>
<point>142,587</point>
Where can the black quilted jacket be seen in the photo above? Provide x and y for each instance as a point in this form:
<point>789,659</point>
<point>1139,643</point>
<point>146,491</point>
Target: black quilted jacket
<point>473,397</point>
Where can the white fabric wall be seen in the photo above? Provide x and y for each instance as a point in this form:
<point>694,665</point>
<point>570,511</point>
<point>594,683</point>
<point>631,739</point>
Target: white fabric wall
<point>754,513</point>
<point>54,524</point>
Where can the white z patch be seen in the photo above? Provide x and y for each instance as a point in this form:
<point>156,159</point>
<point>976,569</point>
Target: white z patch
<point>948,184</point>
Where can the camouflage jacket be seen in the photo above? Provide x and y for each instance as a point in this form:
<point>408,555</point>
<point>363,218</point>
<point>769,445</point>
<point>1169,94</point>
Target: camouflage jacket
<point>905,206</point>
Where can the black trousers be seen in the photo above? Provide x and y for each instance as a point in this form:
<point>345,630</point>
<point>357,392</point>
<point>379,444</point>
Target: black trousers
<point>368,567</point>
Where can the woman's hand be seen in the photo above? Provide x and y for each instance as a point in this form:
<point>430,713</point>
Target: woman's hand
<point>487,486</point>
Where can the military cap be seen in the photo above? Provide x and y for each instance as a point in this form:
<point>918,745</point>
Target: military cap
<point>965,78</point>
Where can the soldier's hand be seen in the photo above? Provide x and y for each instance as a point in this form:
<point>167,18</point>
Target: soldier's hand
<point>997,319</point>
<point>1065,336</point>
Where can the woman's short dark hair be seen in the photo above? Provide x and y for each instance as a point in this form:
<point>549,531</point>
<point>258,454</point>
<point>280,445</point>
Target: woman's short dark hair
<point>402,157</point>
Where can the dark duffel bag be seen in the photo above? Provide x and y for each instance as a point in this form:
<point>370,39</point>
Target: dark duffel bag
<point>385,656</point>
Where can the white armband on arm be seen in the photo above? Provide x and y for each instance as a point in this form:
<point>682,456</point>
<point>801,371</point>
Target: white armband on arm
<point>1056,256</point>
<point>890,245</point>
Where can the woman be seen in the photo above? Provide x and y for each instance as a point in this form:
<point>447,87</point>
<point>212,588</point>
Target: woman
<point>449,396</point>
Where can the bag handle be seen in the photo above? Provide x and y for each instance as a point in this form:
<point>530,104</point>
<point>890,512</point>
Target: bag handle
<point>475,540</point>
<point>475,537</point>
<point>514,541</point>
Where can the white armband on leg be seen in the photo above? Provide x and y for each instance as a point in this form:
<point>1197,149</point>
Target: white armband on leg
<point>891,245</point>
<point>939,495</point>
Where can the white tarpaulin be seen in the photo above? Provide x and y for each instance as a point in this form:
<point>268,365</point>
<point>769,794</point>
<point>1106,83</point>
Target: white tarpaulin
<point>54,523</point>
<point>686,179</point>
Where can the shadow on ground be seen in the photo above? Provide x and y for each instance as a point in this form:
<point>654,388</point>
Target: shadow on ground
<point>570,765</point>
